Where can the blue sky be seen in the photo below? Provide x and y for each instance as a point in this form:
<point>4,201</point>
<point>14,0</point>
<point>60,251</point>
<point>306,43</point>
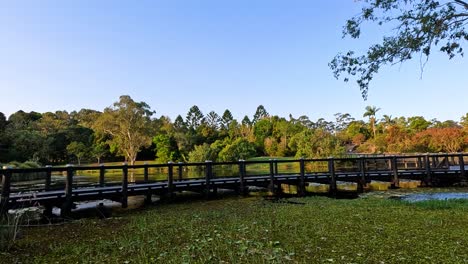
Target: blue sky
<point>68,55</point>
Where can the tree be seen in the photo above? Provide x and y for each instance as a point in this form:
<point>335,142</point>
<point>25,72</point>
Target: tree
<point>194,118</point>
<point>129,125</point>
<point>418,123</point>
<point>246,121</point>
<point>166,148</point>
<point>260,113</point>
<point>238,149</point>
<point>371,111</point>
<point>99,150</point>
<point>78,149</point>
<point>226,119</point>
<point>419,27</point>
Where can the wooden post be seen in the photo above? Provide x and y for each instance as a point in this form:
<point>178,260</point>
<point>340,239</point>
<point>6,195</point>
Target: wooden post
<point>170,179</point>
<point>276,166</point>
<point>395,180</point>
<point>145,172</point>
<point>146,179</point>
<point>435,162</point>
<point>6,189</point>
<point>102,175</point>
<point>208,176</point>
<point>302,190</point>
<point>67,205</point>
<point>427,164</point>
<point>242,174</point>
<point>363,179</point>
<point>48,179</point>
<point>181,171</point>
<point>461,161</point>
<point>419,163</point>
<point>125,185</point>
<point>271,186</point>
<point>331,170</point>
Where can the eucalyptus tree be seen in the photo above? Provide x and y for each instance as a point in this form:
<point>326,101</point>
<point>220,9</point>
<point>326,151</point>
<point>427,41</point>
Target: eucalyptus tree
<point>419,27</point>
<point>129,125</point>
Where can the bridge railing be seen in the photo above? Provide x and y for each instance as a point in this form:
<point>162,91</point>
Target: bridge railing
<point>58,178</point>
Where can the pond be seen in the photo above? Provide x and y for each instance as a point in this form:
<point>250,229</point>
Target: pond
<point>441,196</point>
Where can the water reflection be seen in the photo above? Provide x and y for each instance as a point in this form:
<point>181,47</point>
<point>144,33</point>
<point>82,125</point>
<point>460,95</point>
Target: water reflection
<point>418,197</point>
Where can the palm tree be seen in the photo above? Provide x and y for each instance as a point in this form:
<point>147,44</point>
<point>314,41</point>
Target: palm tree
<point>387,121</point>
<point>371,111</point>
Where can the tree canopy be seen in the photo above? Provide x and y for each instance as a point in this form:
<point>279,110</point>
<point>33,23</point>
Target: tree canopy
<point>420,27</point>
<point>129,128</point>
<point>129,125</point>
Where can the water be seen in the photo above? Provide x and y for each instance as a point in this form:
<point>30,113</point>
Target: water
<point>419,197</point>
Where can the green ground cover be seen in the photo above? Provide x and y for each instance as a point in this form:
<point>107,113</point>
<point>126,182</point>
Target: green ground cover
<point>254,230</point>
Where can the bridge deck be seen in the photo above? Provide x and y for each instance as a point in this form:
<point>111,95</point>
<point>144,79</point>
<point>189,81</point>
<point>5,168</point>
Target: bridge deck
<point>365,170</point>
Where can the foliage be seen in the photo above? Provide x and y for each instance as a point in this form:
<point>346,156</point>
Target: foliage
<point>200,153</point>
<point>420,26</point>
<point>166,148</point>
<point>308,230</point>
<point>78,149</point>
<point>9,229</point>
<point>129,125</point>
<point>238,149</point>
<point>315,144</point>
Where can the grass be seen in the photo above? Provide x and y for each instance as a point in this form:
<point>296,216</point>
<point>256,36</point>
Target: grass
<point>253,230</point>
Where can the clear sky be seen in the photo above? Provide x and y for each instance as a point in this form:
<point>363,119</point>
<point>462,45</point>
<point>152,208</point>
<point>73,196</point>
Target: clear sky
<point>68,55</point>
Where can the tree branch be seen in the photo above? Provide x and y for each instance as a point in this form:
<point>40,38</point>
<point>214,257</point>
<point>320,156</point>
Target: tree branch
<point>462,3</point>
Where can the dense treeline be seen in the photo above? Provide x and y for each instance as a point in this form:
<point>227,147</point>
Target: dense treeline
<point>129,129</point>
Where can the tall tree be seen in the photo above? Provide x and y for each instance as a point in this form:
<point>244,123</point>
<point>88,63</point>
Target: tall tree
<point>194,117</point>
<point>129,125</point>
<point>260,113</point>
<point>371,111</point>
<point>226,119</point>
<point>419,27</point>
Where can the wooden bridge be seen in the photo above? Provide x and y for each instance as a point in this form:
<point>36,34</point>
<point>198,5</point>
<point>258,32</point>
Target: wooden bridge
<point>62,186</point>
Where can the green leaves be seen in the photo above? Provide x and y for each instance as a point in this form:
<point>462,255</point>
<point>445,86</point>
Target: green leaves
<point>421,25</point>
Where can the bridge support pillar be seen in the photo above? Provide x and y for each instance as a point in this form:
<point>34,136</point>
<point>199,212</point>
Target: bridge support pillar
<point>5,197</point>
<point>67,205</point>
<point>301,190</point>
<point>395,178</point>
<point>243,190</point>
<point>362,182</point>
<point>208,177</point>
<point>331,170</point>
<point>124,190</point>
